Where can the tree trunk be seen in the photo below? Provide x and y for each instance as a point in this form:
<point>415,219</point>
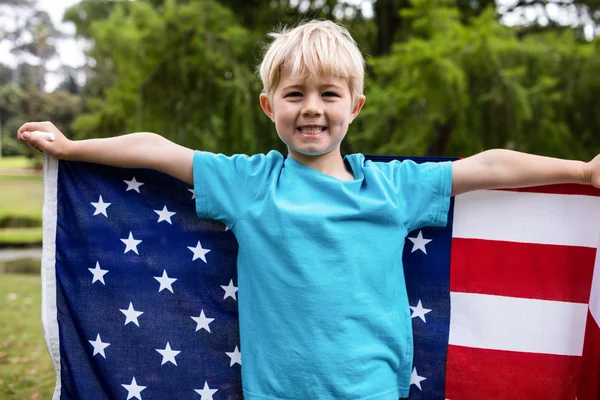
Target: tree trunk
<point>444,132</point>
<point>389,22</point>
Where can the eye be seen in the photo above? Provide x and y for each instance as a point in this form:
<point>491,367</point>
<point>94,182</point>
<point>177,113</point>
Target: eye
<point>330,94</point>
<point>293,94</point>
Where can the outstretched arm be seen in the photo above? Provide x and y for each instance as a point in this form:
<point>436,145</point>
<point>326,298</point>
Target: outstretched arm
<point>510,169</point>
<point>135,150</point>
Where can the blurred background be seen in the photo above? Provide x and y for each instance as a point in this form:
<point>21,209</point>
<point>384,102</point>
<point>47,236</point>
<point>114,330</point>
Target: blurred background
<point>444,77</point>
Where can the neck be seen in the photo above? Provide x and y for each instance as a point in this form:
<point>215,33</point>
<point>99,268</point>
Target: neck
<point>331,164</point>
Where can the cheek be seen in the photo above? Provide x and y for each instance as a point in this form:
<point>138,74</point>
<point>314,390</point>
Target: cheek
<point>339,122</point>
<point>341,117</point>
<point>281,120</point>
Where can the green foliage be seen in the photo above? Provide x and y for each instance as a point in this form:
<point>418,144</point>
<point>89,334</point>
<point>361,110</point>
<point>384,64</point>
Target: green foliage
<point>180,70</point>
<point>18,105</point>
<point>454,88</point>
<point>5,74</point>
<point>445,77</point>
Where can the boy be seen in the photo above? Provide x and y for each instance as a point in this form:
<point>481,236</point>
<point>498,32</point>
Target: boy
<point>322,302</point>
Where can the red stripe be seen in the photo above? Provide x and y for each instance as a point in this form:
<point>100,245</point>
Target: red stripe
<point>536,271</point>
<point>477,374</point>
<point>589,378</point>
<point>586,190</point>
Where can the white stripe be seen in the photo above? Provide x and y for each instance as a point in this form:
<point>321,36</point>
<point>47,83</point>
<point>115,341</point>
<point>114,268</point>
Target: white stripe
<point>517,324</point>
<point>572,220</point>
<point>49,314</point>
<point>595,292</point>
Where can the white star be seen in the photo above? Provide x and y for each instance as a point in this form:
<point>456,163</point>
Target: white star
<point>165,281</point>
<point>419,243</point>
<point>415,379</point>
<point>131,244</point>
<point>165,215</point>
<point>131,315</point>
<point>206,391</point>
<point>99,346</point>
<point>133,390</point>
<point>133,185</point>
<point>193,193</point>
<point>419,311</point>
<point>235,355</point>
<point>98,273</point>
<point>168,354</point>
<point>101,207</point>
<point>199,252</point>
<point>202,322</point>
<point>230,290</point>
<point>226,228</point>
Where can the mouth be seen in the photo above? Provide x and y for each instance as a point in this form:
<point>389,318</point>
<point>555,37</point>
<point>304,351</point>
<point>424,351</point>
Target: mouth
<point>311,130</point>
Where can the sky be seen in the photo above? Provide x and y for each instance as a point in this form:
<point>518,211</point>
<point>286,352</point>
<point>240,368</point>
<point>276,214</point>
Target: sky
<point>70,51</point>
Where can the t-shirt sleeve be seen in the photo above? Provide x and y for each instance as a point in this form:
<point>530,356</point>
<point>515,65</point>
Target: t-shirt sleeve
<point>225,186</point>
<point>424,192</point>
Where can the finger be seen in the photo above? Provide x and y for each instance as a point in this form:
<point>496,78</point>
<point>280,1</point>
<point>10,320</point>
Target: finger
<point>33,146</point>
<point>30,127</point>
<point>36,142</point>
<point>27,127</point>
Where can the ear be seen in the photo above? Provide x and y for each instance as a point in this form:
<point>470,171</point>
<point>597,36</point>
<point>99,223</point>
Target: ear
<point>267,107</point>
<point>360,102</point>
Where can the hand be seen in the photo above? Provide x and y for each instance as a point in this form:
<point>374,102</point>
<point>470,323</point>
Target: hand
<point>58,148</point>
<point>593,170</point>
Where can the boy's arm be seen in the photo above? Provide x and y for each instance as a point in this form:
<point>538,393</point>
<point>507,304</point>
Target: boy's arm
<point>135,150</point>
<point>510,169</point>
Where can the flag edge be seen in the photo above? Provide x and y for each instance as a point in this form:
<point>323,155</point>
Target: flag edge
<point>48,264</point>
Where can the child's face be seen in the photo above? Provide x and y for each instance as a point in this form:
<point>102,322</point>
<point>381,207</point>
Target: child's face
<point>311,115</point>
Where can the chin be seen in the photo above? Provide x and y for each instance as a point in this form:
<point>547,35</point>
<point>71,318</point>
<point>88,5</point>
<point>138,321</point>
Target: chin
<point>310,152</point>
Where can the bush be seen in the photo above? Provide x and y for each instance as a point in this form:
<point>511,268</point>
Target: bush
<point>17,221</point>
<point>26,266</point>
<point>12,147</point>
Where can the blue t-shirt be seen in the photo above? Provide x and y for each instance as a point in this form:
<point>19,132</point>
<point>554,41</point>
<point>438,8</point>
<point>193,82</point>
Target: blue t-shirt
<point>323,307</point>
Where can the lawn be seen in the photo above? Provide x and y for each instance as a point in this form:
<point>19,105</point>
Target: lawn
<point>20,203</point>
<point>15,163</point>
<point>19,236</point>
<point>22,195</point>
<point>26,371</point>
<point>22,189</point>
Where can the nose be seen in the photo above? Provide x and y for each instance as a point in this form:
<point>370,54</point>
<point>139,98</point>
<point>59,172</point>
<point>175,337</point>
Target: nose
<point>312,105</point>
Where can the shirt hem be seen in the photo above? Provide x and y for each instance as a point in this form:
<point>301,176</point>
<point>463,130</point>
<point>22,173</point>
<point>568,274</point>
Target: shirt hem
<point>392,394</point>
<point>445,190</point>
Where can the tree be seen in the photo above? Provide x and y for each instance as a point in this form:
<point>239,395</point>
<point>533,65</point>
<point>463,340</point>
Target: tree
<point>456,88</point>
<point>444,77</point>
<point>15,36</point>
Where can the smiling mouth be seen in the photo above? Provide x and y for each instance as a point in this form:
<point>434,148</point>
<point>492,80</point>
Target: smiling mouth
<point>311,130</point>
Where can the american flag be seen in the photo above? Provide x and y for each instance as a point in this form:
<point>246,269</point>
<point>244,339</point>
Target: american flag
<point>140,295</point>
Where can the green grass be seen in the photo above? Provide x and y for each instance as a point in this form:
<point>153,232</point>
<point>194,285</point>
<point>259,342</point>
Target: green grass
<point>20,235</point>
<point>15,162</point>
<point>22,197</point>
<point>26,371</point>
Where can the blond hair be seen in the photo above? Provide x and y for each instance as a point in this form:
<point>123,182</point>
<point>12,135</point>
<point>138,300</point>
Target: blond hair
<point>313,49</point>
